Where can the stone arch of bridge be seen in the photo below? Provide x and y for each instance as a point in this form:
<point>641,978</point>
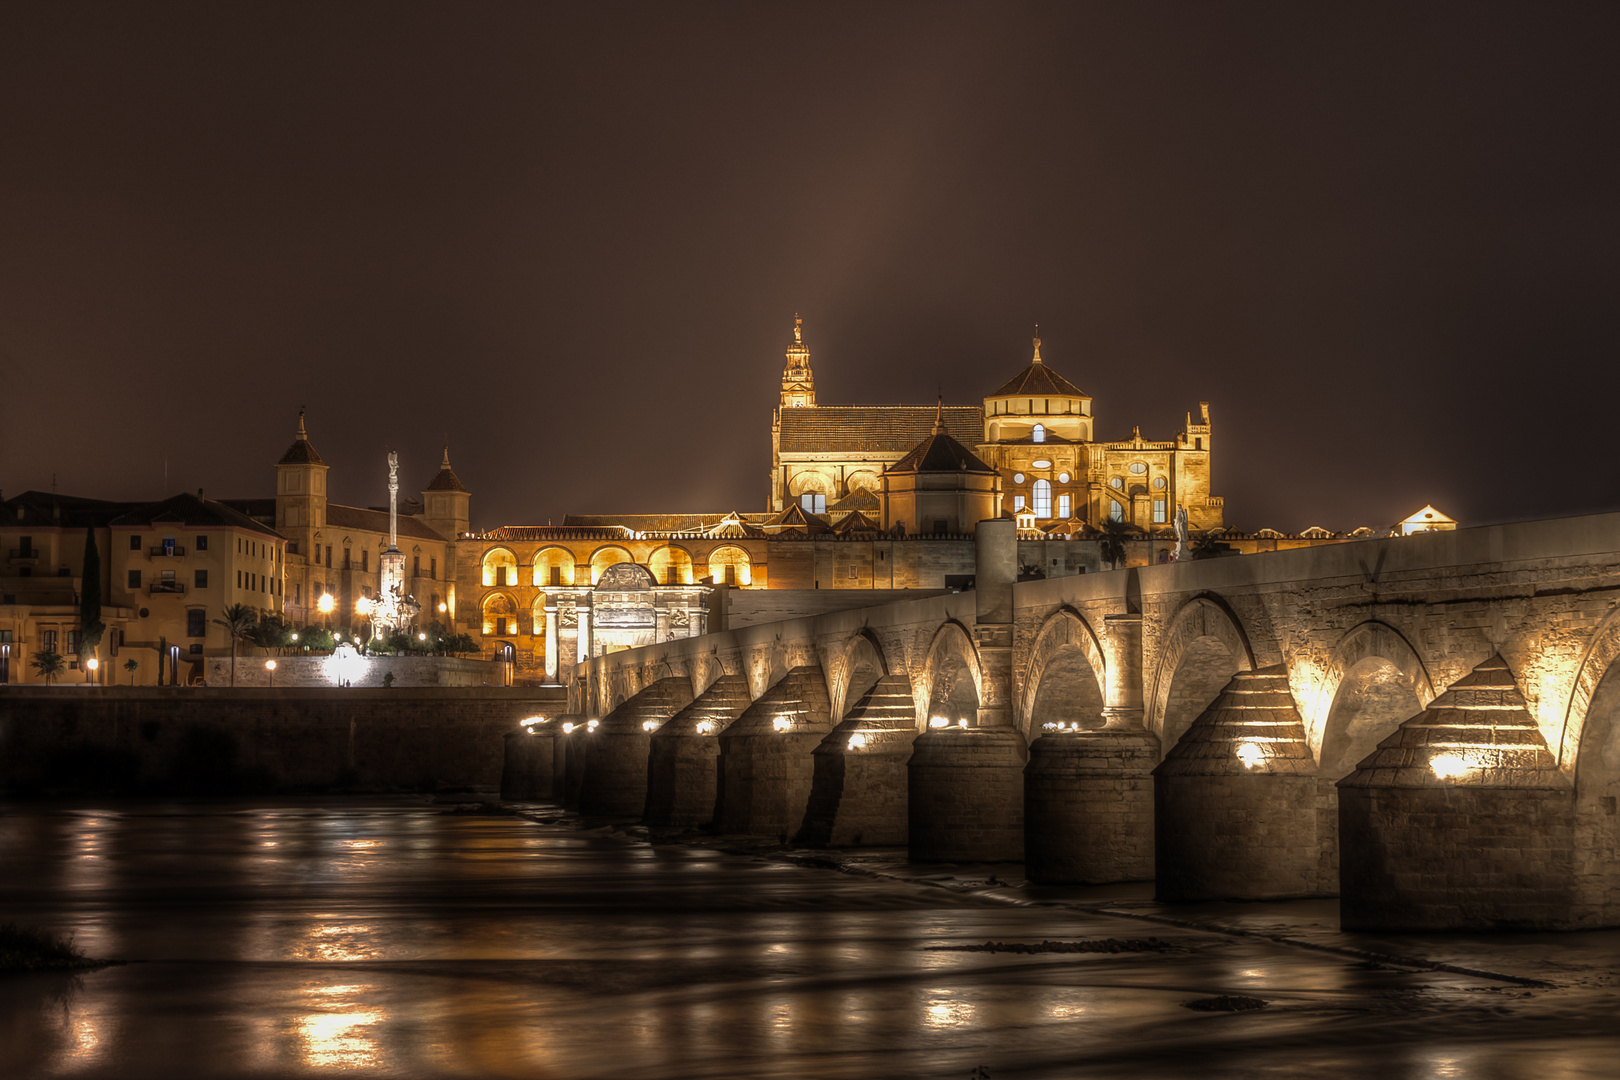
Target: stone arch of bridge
<point>1592,737</point>
<point>951,676</point>
<point>861,663</point>
<point>1597,662</point>
<point>1203,646</point>
<point>1066,675</point>
<point>1373,682</point>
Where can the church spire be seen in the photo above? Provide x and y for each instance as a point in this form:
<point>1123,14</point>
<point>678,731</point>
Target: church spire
<point>939,416</point>
<point>300,433</point>
<point>445,462</point>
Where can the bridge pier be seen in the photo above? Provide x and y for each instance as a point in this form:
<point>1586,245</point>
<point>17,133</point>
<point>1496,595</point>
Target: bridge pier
<point>1461,820</point>
<point>685,754</point>
<point>965,794</point>
<point>615,780</point>
<point>1239,812</point>
<point>526,767</point>
<point>576,748</point>
<point>1088,807</point>
<point>766,766</point>
<point>858,791</point>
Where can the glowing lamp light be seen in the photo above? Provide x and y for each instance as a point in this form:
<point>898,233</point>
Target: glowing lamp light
<point>937,722</point>
<point>649,725</point>
<point>1049,726</point>
<point>590,725</point>
<point>705,727</point>
<point>857,741</point>
<point>269,665</point>
<point>295,637</point>
<point>326,604</point>
<point>421,637</point>
<point>1250,755</point>
<point>781,723</point>
<point>92,663</point>
<point>444,607</point>
<point>1449,766</point>
<point>568,729</point>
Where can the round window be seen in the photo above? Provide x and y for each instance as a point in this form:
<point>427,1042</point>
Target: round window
<point>1018,478</point>
<point>1116,482</point>
<point>1042,464</point>
<point>1063,478</point>
<point>1158,482</point>
<point>1137,468</point>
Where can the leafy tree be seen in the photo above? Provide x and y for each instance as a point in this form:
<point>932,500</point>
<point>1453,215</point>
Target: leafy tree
<point>271,634</point>
<point>130,665</point>
<point>90,625</point>
<point>49,663</point>
<point>460,643</point>
<point>240,622</point>
<point>1207,546</point>
<point>316,639</point>
<point>1111,542</point>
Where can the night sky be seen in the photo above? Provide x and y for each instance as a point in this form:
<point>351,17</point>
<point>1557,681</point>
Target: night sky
<point>1381,242</point>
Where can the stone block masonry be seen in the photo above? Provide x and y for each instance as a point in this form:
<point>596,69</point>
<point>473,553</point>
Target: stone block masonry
<point>227,742</point>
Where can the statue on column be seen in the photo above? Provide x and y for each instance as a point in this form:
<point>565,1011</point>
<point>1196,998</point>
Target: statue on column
<point>392,609</point>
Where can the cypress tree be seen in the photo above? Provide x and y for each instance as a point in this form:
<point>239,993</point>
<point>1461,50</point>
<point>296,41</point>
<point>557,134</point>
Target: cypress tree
<point>90,626</point>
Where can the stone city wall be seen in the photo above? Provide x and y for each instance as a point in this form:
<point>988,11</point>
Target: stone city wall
<point>357,671</point>
<point>244,741</point>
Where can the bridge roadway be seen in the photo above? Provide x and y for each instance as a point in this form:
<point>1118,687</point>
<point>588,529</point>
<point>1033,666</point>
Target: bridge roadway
<point>1423,725</point>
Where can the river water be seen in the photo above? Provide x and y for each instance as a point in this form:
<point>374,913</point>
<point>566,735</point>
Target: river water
<point>395,938</point>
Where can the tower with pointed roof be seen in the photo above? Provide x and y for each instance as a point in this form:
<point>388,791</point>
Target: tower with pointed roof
<point>798,381</point>
<point>300,489</point>
<point>446,502</point>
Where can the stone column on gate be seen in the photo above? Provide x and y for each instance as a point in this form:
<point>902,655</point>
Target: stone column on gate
<point>551,640</point>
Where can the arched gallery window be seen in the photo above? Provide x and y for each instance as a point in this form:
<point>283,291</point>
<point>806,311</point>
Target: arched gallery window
<point>1039,434</point>
<point>1042,501</point>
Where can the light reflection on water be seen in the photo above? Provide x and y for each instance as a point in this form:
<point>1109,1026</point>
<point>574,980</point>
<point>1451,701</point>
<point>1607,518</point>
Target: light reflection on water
<point>311,940</point>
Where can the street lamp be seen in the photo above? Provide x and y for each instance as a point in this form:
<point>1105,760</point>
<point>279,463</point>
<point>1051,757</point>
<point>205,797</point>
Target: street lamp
<point>90,666</point>
<point>325,606</point>
<point>270,666</point>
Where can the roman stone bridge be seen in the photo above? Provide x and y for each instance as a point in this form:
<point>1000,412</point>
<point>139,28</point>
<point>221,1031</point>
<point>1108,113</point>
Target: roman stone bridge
<point>1428,726</point>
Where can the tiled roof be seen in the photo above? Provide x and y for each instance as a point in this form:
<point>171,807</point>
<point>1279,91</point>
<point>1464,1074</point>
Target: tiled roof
<point>658,523</point>
<point>300,453</point>
<point>193,511</point>
<point>861,500</point>
<point>44,509</point>
<point>355,517</point>
<point>894,429</point>
<point>1038,380</point>
<point>445,480</point>
<point>940,453</point>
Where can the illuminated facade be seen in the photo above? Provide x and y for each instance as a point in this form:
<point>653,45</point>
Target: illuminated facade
<point>1036,430</point>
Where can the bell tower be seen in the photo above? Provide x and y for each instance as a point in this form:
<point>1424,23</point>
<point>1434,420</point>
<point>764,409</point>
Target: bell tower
<point>300,489</point>
<point>798,381</point>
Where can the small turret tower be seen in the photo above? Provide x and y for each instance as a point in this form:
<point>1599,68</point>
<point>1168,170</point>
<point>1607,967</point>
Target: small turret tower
<point>300,489</point>
<point>446,502</point>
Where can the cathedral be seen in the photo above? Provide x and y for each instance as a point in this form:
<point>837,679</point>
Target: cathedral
<point>1035,434</point>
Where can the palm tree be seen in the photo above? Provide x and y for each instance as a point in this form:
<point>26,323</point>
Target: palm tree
<point>49,663</point>
<point>239,623</point>
<point>1111,544</point>
<point>130,665</point>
